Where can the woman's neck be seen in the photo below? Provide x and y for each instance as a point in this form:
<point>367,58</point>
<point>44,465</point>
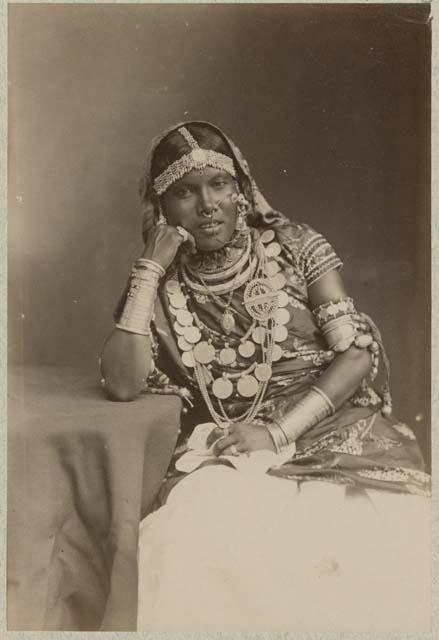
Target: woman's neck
<point>215,262</point>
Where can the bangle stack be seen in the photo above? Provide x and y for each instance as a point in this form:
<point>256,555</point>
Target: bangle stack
<point>139,306</point>
<point>309,411</point>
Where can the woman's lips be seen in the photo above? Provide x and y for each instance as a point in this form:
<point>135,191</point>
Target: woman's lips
<point>212,225</point>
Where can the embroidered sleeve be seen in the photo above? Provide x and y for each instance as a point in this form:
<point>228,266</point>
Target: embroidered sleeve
<point>316,256</point>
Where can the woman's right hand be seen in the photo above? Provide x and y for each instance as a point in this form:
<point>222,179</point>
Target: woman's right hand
<point>163,244</point>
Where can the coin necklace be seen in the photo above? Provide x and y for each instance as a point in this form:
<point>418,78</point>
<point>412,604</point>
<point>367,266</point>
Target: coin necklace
<point>264,302</point>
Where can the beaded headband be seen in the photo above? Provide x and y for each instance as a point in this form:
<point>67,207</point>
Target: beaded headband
<point>197,158</point>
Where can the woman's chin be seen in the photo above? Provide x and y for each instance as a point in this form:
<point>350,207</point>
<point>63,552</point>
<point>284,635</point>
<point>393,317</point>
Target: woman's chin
<point>210,243</point>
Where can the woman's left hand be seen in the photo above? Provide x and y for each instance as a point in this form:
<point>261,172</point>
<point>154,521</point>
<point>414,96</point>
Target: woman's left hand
<point>242,438</point>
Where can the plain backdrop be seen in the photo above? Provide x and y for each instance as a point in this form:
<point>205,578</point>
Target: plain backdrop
<point>330,104</point>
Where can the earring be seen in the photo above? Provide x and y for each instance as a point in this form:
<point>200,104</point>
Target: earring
<point>242,212</point>
<point>161,218</point>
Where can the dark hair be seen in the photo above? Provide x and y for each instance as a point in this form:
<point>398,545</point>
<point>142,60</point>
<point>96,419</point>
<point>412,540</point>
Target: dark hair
<point>174,146</point>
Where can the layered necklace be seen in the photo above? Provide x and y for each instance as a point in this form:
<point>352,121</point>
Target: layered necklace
<point>208,352</point>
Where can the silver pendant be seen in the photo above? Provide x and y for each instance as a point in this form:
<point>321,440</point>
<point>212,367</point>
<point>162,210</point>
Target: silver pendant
<point>260,299</point>
<point>228,322</point>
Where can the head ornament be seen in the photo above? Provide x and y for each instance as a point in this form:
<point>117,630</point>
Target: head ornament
<point>197,158</point>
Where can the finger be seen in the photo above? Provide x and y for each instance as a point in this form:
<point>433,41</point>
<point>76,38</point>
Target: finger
<point>214,435</point>
<point>223,443</point>
<point>233,450</point>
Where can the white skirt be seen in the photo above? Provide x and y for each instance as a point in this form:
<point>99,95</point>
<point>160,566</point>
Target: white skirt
<point>242,552</point>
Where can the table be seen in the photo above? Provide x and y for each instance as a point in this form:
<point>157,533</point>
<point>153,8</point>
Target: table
<point>82,471</point>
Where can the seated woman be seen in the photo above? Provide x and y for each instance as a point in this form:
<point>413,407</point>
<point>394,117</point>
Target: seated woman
<point>294,499</point>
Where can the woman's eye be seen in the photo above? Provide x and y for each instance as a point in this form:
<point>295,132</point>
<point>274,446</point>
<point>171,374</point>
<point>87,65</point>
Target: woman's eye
<point>182,192</point>
<point>220,184</point>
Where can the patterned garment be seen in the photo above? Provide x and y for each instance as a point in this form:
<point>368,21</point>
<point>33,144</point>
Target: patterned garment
<point>356,446</point>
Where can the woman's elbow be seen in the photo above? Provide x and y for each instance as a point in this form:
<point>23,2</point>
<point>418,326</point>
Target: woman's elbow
<point>361,360</point>
<point>121,392</point>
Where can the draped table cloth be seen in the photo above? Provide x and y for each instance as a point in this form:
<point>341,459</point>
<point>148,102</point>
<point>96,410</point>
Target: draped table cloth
<point>82,472</point>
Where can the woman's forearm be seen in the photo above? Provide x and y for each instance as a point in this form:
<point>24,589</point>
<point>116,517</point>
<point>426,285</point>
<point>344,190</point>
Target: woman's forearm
<point>336,385</point>
<point>126,362</point>
<point>344,375</point>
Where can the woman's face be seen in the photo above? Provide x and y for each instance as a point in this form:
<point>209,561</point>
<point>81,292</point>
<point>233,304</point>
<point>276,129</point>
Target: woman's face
<point>199,192</point>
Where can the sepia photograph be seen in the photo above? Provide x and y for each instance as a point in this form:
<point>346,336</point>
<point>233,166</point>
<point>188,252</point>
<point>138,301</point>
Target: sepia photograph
<point>219,317</point>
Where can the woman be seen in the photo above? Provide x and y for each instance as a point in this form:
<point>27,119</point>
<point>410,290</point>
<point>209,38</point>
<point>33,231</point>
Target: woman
<point>293,496</point>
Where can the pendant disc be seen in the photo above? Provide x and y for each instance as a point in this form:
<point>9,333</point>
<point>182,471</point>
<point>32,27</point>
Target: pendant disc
<point>247,386</point>
<point>282,316</point>
<point>272,250</point>
<point>183,316</point>
<point>204,352</point>
<point>222,388</point>
<point>276,353</point>
<point>192,334</point>
<point>179,328</point>
<point>246,349</point>
<point>267,236</point>
<point>278,281</point>
<point>228,322</point>
<point>282,298</point>
<point>260,298</point>
<point>280,333</point>
<point>272,268</point>
<point>258,335</point>
<point>184,344</point>
<point>173,286</point>
<point>177,300</point>
<point>227,355</point>
<point>263,372</point>
<point>188,359</point>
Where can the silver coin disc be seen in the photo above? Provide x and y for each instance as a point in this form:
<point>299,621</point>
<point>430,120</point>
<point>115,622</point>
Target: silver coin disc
<point>258,335</point>
<point>204,352</point>
<point>179,328</point>
<point>282,298</point>
<point>192,334</point>
<point>273,250</point>
<point>272,268</point>
<point>173,286</point>
<point>222,388</point>
<point>280,333</point>
<point>247,386</point>
<point>227,355</point>
<point>246,349</point>
<point>278,281</point>
<point>263,372</point>
<point>177,300</point>
<point>276,353</point>
<point>184,344</point>
<point>267,236</point>
<point>183,316</point>
<point>282,316</point>
<point>188,359</point>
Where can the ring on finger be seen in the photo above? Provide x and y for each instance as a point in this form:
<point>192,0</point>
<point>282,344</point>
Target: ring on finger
<point>184,234</point>
<point>234,450</point>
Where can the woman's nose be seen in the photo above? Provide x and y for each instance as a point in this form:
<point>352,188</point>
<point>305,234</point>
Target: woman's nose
<point>206,200</point>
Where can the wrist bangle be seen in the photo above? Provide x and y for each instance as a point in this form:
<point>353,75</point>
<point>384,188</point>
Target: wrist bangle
<point>150,264</point>
<point>326,398</point>
<point>138,310</point>
<point>278,436</point>
<point>308,412</point>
